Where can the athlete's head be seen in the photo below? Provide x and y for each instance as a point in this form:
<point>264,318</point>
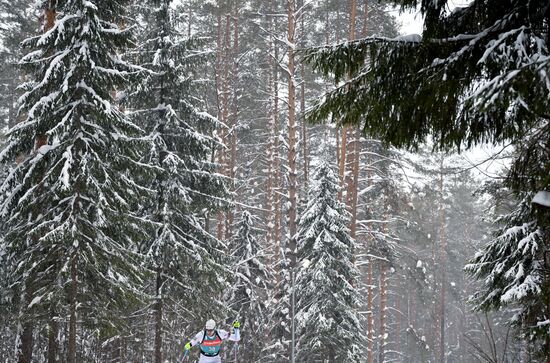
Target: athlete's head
<point>210,326</point>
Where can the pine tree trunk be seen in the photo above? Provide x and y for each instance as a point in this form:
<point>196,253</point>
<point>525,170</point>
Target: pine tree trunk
<point>398,316</point>
<point>53,331</point>
<point>370,290</point>
<point>26,338</point>
<point>50,16</point>
<point>276,169</point>
<point>71,357</point>
<point>278,191</point>
<point>235,114</point>
<point>354,185</point>
<point>221,74</point>
<point>353,18</point>
<point>303,98</point>
<point>223,223</point>
<point>370,316</point>
<point>26,343</point>
<point>383,310</point>
<point>292,154</point>
<point>158,318</point>
<point>218,77</point>
<point>364,31</point>
<point>434,332</point>
<point>345,153</point>
<point>291,132</point>
<point>269,202</point>
<point>342,161</point>
<point>442,261</point>
<point>225,98</point>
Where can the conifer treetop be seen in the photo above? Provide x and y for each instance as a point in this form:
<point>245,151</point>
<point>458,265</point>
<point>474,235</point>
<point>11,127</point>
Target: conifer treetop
<point>477,74</point>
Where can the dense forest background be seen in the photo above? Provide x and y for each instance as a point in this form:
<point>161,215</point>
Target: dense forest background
<point>201,191</point>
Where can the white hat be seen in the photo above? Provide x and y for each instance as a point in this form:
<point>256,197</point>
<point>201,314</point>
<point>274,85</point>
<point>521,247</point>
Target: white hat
<point>210,324</point>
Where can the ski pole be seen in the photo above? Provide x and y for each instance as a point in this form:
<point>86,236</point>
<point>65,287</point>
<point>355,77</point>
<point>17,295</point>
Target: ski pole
<point>185,354</point>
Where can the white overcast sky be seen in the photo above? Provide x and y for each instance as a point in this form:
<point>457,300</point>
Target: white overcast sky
<point>411,22</point>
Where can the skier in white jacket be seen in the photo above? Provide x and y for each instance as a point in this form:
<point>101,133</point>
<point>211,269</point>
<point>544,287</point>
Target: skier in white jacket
<point>210,341</point>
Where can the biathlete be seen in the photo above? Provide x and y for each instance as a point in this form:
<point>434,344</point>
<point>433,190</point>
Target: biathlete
<point>210,341</point>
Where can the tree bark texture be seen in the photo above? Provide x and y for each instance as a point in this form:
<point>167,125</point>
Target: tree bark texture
<point>26,343</point>
<point>53,331</point>
<point>158,317</point>
<point>383,311</point>
<point>71,358</point>
<point>292,187</point>
<point>442,262</point>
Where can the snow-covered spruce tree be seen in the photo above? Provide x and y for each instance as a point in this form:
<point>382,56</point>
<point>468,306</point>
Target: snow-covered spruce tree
<point>327,320</point>
<point>279,304</point>
<point>250,285</point>
<point>511,268</point>
<point>185,258</point>
<point>8,313</point>
<point>67,203</point>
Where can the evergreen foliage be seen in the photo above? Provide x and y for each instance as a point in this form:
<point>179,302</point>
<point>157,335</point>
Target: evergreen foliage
<point>280,304</point>
<point>186,187</point>
<point>17,22</point>
<point>511,267</point>
<point>328,323</point>
<point>171,164</point>
<point>68,201</point>
<point>478,74</point>
<point>181,252</point>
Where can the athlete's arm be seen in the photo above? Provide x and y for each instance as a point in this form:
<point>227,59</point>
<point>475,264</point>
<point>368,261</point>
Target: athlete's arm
<point>235,337</point>
<point>196,339</point>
